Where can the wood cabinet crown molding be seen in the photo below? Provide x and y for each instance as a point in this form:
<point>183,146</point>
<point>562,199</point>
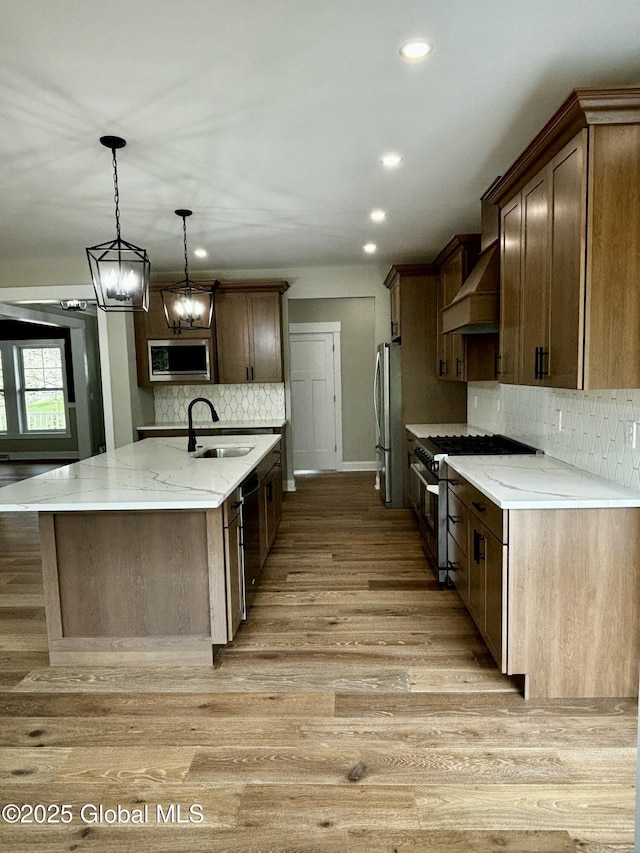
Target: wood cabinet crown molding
<point>583,107</point>
<point>470,242</point>
<point>408,270</point>
<point>247,285</point>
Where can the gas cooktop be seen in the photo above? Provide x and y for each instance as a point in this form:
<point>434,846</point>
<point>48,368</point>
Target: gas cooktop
<point>470,445</point>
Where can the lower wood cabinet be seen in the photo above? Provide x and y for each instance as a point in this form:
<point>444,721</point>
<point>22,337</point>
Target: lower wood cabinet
<point>478,557</point>
<point>553,592</point>
<point>233,562</point>
<point>270,500</point>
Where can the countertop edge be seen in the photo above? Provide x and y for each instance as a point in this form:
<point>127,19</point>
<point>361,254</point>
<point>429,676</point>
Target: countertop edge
<point>216,500</point>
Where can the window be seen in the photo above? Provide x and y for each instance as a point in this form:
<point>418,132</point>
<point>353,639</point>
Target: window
<point>41,387</point>
<point>33,389</point>
<point>3,409</point>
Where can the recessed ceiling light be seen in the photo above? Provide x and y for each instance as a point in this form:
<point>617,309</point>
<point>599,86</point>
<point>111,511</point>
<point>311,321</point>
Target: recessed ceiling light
<point>200,253</point>
<point>378,215</point>
<point>416,49</point>
<point>390,161</point>
<point>370,248</point>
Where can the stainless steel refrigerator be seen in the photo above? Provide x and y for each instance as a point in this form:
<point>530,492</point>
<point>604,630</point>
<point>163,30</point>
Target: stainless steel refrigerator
<point>387,402</point>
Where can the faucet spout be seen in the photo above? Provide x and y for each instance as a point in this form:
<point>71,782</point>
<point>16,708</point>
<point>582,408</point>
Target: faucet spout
<point>191,446</point>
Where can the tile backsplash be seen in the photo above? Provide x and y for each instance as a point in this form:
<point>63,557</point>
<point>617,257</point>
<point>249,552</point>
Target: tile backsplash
<point>583,428</point>
<point>258,401</point>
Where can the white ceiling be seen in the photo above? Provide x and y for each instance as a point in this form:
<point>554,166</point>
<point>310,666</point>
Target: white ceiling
<point>268,117</point>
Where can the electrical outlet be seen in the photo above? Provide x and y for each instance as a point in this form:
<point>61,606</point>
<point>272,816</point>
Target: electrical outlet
<point>630,434</point>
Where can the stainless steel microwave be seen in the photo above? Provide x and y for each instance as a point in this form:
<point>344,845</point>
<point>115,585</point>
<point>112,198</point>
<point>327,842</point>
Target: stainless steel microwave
<point>179,361</point>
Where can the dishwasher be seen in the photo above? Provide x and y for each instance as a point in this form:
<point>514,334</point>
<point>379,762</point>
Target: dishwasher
<point>249,491</point>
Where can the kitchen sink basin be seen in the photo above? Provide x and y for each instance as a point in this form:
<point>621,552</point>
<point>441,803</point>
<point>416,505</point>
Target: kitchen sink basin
<point>223,452</point>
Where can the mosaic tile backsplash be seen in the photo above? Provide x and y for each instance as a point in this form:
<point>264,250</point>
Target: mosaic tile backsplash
<point>583,428</point>
<point>255,402</point>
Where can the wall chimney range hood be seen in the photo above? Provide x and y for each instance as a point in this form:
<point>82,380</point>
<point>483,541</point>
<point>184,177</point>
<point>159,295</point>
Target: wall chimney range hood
<point>475,309</point>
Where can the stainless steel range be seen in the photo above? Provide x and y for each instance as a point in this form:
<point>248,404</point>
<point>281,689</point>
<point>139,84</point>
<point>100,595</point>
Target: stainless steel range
<point>428,485</point>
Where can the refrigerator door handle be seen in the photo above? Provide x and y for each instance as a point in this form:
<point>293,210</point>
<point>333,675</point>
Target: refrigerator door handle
<point>376,386</point>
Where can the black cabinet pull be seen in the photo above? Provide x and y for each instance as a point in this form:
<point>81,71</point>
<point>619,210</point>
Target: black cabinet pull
<point>479,506</point>
<point>497,358</point>
<point>246,373</point>
<point>441,367</point>
<point>540,372</point>
<point>458,363</point>
<point>477,553</point>
<point>252,377</point>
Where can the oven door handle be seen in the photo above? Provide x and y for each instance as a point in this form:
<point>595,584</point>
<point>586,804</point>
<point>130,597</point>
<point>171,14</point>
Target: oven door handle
<point>434,488</point>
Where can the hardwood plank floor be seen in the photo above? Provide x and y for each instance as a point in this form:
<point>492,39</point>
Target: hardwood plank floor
<point>357,711</point>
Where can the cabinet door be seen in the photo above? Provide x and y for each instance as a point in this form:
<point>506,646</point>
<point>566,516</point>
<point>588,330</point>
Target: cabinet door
<point>265,342</point>
<point>396,311</point>
<point>510,265</point>
<point>452,347</point>
<point>233,573</point>
<point>534,348</point>
<point>477,572</point>
<point>232,337</point>
<point>567,175</point>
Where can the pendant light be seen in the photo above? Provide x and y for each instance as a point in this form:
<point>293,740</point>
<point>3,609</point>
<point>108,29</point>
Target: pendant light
<point>73,304</point>
<point>188,305</point>
<point>120,270</point>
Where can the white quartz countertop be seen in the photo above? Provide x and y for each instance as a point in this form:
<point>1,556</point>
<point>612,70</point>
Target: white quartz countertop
<point>156,473</point>
<point>539,482</point>
<point>234,425</point>
<point>427,430</point>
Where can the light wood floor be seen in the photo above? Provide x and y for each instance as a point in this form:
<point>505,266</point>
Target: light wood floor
<point>357,712</point>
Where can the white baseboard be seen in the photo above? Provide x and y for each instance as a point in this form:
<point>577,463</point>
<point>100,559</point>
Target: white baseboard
<point>358,466</point>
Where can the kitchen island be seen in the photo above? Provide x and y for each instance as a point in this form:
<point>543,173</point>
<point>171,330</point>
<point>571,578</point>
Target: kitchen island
<point>141,550</point>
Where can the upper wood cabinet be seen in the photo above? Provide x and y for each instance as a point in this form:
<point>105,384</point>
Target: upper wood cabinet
<point>396,309</point>
<point>248,319</point>
<point>461,357</point>
<point>570,248</point>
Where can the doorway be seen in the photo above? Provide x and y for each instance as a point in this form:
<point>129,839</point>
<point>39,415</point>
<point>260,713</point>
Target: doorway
<point>316,396</point>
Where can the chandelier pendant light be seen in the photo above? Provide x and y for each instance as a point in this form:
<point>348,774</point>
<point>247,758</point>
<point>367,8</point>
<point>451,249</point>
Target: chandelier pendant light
<point>188,305</point>
<point>120,271</point>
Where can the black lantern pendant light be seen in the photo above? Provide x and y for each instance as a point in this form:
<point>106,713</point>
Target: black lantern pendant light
<point>188,305</point>
<point>120,270</point>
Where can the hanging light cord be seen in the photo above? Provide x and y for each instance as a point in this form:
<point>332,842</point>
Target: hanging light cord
<point>116,193</point>
<point>186,257</point>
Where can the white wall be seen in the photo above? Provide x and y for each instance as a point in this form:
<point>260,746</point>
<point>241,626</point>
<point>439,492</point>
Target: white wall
<point>592,424</point>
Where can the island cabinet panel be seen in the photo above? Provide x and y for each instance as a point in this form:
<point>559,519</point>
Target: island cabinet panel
<point>134,587</point>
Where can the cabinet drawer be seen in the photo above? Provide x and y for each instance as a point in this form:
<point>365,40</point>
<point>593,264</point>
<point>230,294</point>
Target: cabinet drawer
<point>484,509</point>
<point>458,562</point>
<point>457,521</point>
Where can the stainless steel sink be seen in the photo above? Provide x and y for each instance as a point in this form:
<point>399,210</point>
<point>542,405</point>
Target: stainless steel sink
<point>223,452</point>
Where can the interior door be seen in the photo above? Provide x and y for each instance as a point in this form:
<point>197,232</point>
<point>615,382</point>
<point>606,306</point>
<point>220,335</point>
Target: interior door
<point>313,403</point>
